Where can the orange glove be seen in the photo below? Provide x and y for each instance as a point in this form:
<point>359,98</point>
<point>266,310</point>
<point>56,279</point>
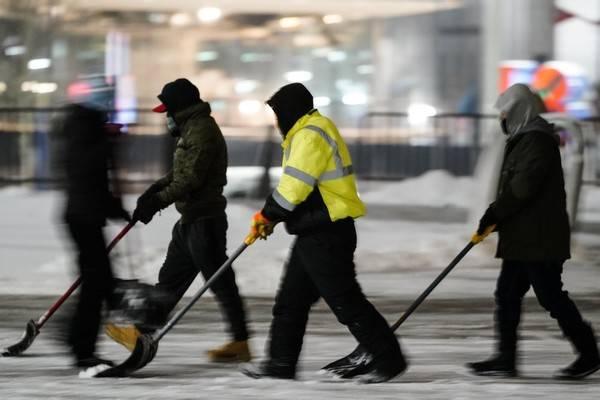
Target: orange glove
<point>260,227</point>
<point>478,238</point>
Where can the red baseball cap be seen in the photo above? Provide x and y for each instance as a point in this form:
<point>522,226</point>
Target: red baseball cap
<point>161,108</point>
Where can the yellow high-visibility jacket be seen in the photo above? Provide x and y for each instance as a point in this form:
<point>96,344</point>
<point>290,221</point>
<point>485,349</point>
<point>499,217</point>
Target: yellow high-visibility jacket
<point>315,155</point>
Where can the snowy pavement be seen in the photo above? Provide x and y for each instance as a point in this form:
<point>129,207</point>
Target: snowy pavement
<point>402,246</point>
<point>395,256</point>
<point>438,339</point>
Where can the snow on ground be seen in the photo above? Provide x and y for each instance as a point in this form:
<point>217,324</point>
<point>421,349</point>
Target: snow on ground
<point>396,259</point>
<point>394,256</point>
<point>434,188</point>
<point>438,340</point>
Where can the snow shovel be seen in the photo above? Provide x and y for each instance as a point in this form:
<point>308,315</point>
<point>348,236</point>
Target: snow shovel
<point>146,345</point>
<point>359,361</point>
<point>33,328</point>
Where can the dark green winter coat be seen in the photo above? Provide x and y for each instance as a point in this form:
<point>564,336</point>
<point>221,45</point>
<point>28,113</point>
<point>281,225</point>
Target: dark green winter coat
<point>531,200</point>
<point>195,184</point>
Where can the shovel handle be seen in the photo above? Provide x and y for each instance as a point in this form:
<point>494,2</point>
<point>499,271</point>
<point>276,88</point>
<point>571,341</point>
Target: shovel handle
<point>42,320</point>
<point>179,314</point>
<point>432,286</point>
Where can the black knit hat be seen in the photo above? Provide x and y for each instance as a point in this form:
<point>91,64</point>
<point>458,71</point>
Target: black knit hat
<point>289,104</point>
<point>177,95</point>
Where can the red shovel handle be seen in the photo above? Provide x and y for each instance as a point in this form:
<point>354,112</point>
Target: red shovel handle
<point>42,320</point>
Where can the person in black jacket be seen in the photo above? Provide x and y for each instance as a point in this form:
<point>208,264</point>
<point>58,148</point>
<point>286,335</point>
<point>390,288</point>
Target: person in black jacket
<point>198,245</point>
<point>89,202</point>
<point>534,237</point>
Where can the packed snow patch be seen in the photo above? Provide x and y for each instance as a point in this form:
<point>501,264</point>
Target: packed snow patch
<point>434,189</point>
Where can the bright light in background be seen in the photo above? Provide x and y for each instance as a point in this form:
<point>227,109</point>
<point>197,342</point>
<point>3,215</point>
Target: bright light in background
<point>255,32</point>
<point>256,57</point>
<point>250,107</point>
<point>298,76</point>
<point>2,87</point>
<point>418,113</point>
<point>44,87</point>
<point>15,51</point>
<point>332,19</point>
<point>39,63</point>
<point>337,56</point>
<point>209,15</point>
<point>39,87</point>
<point>180,19</point>
<point>310,40</point>
<point>321,52</point>
<point>345,85</point>
<point>365,69</point>
<point>208,55</point>
<point>158,18</point>
<point>245,86</point>
<point>322,101</point>
<point>290,22</point>
<point>355,99</point>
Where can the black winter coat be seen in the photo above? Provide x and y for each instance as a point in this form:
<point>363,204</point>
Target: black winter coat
<point>533,224</point>
<point>86,159</point>
<point>195,184</point>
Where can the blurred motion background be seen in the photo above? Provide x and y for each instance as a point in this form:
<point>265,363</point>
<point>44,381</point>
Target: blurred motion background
<point>410,82</point>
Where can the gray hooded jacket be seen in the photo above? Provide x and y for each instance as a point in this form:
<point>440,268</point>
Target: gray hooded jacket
<point>531,201</point>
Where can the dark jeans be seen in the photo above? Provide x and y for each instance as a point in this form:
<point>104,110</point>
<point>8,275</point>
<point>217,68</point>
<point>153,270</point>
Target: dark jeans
<point>96,287</point>
<point>516,277</point>
<point>321,265</point>
<point>200,246</point>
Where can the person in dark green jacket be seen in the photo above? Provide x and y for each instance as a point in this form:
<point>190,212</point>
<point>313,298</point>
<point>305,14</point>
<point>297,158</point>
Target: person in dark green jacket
<point>195,186</point>
<point>534,236</point>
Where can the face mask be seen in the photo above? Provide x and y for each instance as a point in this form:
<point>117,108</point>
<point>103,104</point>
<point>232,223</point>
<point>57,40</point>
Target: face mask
<point>172,126</point>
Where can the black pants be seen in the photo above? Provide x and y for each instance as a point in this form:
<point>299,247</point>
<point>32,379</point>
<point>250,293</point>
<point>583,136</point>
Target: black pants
<point>96,287</point>
<point>545,277</point>
<point>200,246</point>
<point>321,265</point>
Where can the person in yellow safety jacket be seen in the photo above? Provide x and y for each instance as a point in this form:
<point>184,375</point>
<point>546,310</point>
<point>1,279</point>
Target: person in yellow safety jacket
<point>317,199</point>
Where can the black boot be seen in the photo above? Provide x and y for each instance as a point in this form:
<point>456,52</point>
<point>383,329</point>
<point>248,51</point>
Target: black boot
<point>588,361</point>
<point>384,370</point>
<point>500,365</point>
<point>269,369</point>
<point>579,369</point>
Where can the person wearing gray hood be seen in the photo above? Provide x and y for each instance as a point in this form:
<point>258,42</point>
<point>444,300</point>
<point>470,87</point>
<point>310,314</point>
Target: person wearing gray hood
<point>534,237</point>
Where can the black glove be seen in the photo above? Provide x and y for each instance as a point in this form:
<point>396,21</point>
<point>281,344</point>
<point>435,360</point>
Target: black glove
<point>116,210</point>
<point>146,208</point>
<point>489,218</point>
<point>153,189</point>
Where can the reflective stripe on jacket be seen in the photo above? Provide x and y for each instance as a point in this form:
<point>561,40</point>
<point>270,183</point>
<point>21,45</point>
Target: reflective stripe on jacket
<point>315,155</point>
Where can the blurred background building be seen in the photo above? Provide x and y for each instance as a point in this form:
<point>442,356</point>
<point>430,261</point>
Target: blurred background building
<point>412,81</point>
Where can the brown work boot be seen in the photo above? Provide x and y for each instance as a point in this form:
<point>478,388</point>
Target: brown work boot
<point>124,335</point>
<point>231,352</point>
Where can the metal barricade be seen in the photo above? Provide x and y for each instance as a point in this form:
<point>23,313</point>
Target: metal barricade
<point>396,145</point>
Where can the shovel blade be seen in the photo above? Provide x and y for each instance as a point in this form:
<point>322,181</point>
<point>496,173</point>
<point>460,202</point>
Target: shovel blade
<point>31,332</point>
<point>143,353</point>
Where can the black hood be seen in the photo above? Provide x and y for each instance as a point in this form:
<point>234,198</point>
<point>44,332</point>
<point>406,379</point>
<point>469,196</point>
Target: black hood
<point>290,103</point>
<point>179,95</point>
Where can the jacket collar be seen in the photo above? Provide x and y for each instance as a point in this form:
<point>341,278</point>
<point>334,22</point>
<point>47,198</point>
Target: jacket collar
<point>301,123</point>
<point>197,110</point>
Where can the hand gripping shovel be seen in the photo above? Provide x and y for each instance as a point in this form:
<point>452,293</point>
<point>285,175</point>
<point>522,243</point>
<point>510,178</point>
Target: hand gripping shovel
<point>358,362</point>
<point>146,345</point>
<point>33,328</point>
